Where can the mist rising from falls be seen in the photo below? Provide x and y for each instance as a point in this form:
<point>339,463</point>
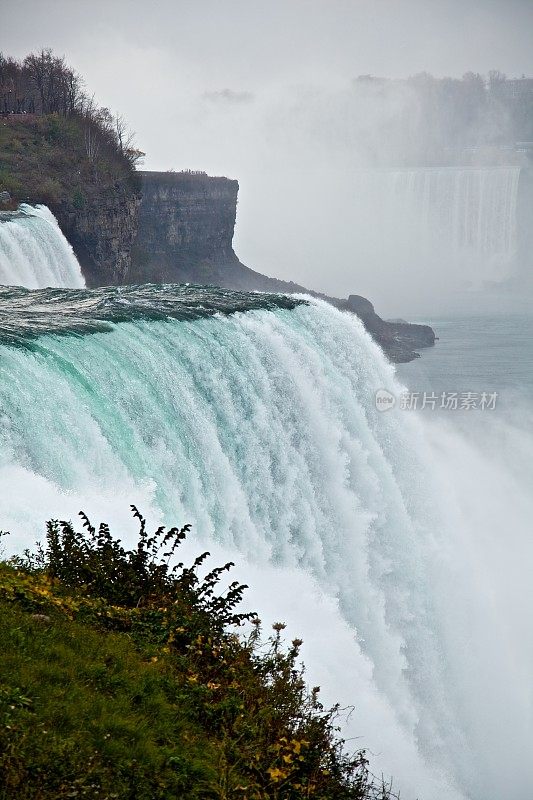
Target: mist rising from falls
<point>409,239</point>
<point>447,228</point>
<point>33,251</point>
<point>260,428</point>
<point>470,212</point>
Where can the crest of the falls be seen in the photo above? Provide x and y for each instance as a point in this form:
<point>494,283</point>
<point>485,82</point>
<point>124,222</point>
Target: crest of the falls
<point>254,418</point>
<point>33,251</point>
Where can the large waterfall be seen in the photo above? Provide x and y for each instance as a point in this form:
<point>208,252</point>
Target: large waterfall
<point>253,418</point>
<point>470,213</point>
<point>33,251</point>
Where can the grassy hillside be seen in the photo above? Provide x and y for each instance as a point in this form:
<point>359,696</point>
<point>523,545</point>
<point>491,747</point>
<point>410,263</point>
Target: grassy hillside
<point>49,159</point>
<point>84,713</point>
<point>123,678</point>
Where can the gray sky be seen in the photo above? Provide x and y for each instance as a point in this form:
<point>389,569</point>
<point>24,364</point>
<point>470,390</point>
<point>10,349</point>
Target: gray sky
<point>257,91</point>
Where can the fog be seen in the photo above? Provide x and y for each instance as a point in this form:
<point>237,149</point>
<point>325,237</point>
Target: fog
<point>268,94</point>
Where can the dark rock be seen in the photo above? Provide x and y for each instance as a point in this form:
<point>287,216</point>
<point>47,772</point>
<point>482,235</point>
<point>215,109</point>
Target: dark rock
<point>5,198</point>
<point>185,228</point>
<point>185,235</point>
<point>101,232</point>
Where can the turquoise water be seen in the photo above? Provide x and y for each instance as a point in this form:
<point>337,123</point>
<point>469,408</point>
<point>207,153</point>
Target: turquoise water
<point>376,536</point>
<point>25,315</point>
<point>397,545</point>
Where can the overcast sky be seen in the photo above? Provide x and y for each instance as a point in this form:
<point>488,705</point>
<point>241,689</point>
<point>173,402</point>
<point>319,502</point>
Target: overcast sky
<point>256,91</point>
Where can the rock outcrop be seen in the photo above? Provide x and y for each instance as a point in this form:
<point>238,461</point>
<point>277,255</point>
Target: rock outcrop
<point>185,234</point>
<point>102,234</point>
<point>94,196</point>
<point>185,228</point>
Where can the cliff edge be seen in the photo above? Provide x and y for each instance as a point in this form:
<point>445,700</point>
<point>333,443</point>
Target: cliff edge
<point>130,227</point>
<point>86,181</point>
<point>185,235</point>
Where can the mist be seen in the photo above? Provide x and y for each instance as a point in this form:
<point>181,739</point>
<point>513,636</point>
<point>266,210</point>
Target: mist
<point>269,96</point>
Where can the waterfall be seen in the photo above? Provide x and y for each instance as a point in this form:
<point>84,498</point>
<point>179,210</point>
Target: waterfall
<point>254,419</point>
<point>33,251</point>
<point>470,213</point>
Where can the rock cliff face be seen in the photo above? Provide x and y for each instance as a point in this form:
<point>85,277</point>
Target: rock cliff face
<point>102,234</point>
<point>44,159</point>
<point>185,234</point>
<point>185,228</point>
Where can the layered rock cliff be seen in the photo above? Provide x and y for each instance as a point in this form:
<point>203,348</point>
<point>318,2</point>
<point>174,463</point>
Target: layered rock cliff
<point>45,159</point>
<point>159,227</point>
<point>185,228</point>
<point>185,234</point>
<point>102,234</point>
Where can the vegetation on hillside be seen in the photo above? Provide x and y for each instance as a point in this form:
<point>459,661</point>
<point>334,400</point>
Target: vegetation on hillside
<point>124,676</point>
<point>56,144</point>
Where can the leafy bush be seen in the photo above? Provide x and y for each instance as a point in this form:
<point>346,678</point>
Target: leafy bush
<point>9,183</point>
<point>163,698</point>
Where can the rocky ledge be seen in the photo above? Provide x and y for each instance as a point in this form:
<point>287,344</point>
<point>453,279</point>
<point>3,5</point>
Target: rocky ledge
<point>185,234</point>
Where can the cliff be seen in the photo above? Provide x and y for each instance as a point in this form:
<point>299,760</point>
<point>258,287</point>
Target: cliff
<point>185,234</point>
<point>102,233</point>
<point>93,191</point>
<point>185,228</point>
<point>157,227</point>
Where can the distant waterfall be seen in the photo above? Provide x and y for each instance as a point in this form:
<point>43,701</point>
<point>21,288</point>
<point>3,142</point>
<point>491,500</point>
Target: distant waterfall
<point>34,253</point>
<point>469,213</point>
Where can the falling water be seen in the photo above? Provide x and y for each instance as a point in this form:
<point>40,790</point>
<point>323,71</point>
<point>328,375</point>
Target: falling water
<point>253,418</point>
<point>471,213</point>
<point>33,251</point>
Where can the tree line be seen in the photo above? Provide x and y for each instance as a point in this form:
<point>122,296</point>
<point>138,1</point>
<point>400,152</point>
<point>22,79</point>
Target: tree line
<point>425,120</point>
<point>43,83</point>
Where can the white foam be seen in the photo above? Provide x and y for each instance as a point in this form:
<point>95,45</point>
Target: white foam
<point>34,253</point>
<point>395,546</point>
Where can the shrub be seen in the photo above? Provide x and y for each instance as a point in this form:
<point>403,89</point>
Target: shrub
<point>9,183</point>
<point>156,668</point>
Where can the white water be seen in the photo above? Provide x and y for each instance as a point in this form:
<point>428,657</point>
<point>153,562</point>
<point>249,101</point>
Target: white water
<point>389,546</point>
<point>34,253</point>
<point>410,240</point>
<point>468,212</point>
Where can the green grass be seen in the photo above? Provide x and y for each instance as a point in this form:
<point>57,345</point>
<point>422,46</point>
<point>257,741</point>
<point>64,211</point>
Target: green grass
<point>85,713</point>
<point>44,160</point>
<point>122,677</point>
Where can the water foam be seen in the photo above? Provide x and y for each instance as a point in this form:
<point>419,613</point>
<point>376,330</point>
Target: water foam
<point>358,528</point>
<point>33,251</point>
